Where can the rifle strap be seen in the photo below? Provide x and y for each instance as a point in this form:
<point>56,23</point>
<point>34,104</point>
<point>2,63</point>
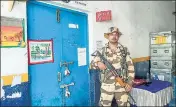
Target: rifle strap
<point>104,54</point>
<point>123,51</point>
<point>102,74</point>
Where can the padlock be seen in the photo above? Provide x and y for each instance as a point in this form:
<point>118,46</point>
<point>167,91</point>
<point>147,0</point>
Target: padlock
<point>67,93</point>
<point>67,72</point>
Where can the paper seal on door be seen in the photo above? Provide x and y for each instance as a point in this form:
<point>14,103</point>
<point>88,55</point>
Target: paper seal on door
<point>82,56</point>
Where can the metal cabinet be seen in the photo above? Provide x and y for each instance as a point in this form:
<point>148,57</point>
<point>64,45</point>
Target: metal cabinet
<point>162,55</point>
<point>162,37</point>
<point>162,50</point>
<point>163,62</point>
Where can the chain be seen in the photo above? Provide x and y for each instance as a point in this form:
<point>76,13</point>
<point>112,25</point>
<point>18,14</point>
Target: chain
<point>63,98</point>
<point>123,62</point>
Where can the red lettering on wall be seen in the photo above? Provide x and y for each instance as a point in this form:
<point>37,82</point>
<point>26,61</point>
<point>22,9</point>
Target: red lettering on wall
<point>103,16</point>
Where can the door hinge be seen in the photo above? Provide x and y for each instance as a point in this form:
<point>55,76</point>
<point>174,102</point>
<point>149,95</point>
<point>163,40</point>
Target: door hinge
<point>58,15</point>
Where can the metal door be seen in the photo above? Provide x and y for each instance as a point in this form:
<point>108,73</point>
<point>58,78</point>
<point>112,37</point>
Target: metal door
<point>46,22</point>
<point>74,40</point>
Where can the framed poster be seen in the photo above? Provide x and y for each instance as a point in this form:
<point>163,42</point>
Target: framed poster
<point>40,51</point>
<point>12,32</point>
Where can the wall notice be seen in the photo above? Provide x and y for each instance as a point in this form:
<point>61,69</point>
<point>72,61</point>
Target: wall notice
<point>81,56</point>
<point>12,32</point>
<point>99,44</point>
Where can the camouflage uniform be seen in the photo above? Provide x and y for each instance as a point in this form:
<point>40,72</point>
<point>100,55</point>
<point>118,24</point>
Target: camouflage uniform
<point>109,88</point>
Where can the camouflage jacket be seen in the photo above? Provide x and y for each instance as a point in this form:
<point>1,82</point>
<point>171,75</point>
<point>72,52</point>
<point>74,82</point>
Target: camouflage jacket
<point>116,58</point>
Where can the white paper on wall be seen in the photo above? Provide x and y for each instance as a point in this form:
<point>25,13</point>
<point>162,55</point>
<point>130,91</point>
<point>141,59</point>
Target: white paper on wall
<point>99,45</point>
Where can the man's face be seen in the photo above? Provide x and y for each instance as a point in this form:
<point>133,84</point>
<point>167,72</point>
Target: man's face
<point>113,37</point>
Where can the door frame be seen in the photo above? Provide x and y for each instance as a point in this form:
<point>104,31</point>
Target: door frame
<point>89,32</point>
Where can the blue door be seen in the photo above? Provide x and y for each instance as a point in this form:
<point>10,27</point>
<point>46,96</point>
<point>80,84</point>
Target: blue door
<point>68,29</point>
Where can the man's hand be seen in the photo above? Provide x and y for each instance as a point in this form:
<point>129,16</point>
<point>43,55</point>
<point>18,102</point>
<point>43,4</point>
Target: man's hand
<point>101,65</point>
<point>128,87</point>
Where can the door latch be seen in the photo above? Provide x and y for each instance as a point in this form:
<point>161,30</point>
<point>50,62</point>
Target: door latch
<point>67,92</point>
<point>65,63</point>
<point>58,15</point>
<point>67,72</point>
<point>59,76</point>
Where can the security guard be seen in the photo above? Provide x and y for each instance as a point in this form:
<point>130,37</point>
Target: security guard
<point>119,57</point>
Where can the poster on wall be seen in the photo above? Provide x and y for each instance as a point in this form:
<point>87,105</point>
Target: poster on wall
<point>40,51</point>
<point>12,32</point>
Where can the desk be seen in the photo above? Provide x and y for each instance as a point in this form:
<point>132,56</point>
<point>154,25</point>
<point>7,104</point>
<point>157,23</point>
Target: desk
<point>158,93</point>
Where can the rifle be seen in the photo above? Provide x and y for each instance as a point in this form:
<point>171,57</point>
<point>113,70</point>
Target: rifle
<point>111,68</point>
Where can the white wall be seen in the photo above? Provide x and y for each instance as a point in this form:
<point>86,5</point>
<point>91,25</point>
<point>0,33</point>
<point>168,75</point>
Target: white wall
<point>135,19</point>
<point>14,60</point>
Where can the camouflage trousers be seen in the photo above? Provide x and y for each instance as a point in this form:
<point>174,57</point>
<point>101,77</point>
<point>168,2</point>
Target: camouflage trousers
<point>109,91</point>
